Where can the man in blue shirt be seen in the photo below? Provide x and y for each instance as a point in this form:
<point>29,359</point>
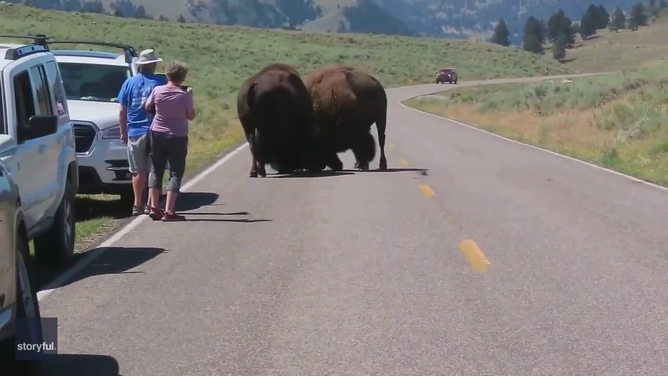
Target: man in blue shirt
<point>135,122</point>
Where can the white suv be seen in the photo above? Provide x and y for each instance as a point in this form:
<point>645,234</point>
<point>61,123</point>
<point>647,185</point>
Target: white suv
<point>92,81</point>
<point>37,146</point>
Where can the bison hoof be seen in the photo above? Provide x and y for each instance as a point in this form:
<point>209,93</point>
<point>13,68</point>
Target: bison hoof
<point>383,165</point>
<point>362,166</point>
<point>253,174</point>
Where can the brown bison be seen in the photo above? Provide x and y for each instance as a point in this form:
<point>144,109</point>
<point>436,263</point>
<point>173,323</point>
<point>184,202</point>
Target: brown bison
<point>346,102</point>
<point>276,113</point>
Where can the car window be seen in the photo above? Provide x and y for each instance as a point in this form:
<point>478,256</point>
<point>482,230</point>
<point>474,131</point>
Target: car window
<point>25,105</point>
<point>56,85</point>
<point>93,82</point>
<point>42,91</point>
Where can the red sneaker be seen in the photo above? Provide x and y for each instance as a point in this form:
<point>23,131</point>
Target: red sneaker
<point>171,217</point>
<point>156,214</point>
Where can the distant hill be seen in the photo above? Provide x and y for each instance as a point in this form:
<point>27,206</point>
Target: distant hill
<point>365,16</point>
<point>433,18</point>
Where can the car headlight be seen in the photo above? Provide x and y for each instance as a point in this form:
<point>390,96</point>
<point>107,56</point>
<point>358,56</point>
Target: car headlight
<point>112,132</point>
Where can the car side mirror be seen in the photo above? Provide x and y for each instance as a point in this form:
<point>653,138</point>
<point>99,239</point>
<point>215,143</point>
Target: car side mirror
<point>43,125</point>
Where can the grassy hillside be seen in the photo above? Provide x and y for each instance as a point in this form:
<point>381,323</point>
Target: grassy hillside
<point>611,50</point>
<point>220,58</point>
<point>436,18</point>
<point>619,120</point>
<point>363,16</point>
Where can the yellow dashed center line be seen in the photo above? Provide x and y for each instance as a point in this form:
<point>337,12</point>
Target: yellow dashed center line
<point>403,162</point>
<point>474,255</point>
<point>426,190</point>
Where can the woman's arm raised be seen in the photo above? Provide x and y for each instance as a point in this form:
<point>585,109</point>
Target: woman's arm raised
<point>190,106</point>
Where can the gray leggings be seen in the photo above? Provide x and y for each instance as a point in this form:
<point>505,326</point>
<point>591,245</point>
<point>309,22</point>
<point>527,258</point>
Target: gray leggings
<point>164,148</point>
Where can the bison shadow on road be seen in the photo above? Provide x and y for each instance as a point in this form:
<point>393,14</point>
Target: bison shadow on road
<point>79,365</point>
<point>306,174</point>
<point>391,170</point>
<point>232,220</point>
<point>115,260</point>
<point>330,173</point>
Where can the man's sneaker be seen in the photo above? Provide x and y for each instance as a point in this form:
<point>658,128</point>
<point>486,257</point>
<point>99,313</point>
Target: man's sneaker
<point>172,217</point>
<point>138,210</point>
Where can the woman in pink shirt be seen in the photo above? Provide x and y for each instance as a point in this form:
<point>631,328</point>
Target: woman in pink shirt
<point>173,108</point>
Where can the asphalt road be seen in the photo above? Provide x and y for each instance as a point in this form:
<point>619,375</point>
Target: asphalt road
<point>369,273</point>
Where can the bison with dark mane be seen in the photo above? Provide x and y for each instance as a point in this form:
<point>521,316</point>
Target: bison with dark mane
<point>347,102</point>
<point>276,113</point>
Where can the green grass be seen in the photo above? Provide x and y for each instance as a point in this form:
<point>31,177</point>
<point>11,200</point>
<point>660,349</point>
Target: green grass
<point>646,85</point>
<point>618,120</point>
<point>220,58</point>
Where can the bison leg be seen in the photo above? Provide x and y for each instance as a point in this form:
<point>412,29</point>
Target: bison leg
<point>250,137</point>
<point>258,163</point>
<point>364,148</point>
<point>334,162</point>
<point>381,124</point>
<point>260,155</point>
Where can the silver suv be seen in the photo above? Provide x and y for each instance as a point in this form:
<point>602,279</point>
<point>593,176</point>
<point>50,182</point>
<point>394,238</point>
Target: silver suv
<point>92,81</point>
<point>18,296</point>
<point>37,146</point>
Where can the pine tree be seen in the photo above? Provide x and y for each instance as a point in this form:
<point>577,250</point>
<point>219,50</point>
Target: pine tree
<point>140,12</point>
<point>554,24</point>
<point>118,12</point>
<point>638,16</point>
<point>602,17</point>
<point>181,19</point>
<point>589,22</point>
<point>560,24</point>
<point>559,48</point>
<point>501,34</point>
<point>533,36</point>
<point>662,4</point>
<point>618,20</point>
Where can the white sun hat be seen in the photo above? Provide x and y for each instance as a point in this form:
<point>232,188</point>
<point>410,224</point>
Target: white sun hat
<point>148,56</point>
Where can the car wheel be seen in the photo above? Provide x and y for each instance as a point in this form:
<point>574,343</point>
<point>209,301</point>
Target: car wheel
<point>56,246</point>
<point>27,305</point>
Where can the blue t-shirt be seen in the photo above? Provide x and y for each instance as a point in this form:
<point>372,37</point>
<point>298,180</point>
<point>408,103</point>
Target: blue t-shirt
<point>133,95</point>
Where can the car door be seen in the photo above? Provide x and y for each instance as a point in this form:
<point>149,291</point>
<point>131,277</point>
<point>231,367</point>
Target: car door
<point>7,233</point>
<point>24,164</point>
<point>49,146</point>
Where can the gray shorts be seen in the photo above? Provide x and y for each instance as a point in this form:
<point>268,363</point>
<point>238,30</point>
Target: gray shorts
<point>137,157</point>
<point>167,149</point>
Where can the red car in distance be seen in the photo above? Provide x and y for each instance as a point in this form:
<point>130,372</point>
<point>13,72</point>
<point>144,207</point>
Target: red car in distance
<point>448,75</point>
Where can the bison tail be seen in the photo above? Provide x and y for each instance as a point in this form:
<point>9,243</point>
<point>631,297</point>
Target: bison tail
<point>250,97</point>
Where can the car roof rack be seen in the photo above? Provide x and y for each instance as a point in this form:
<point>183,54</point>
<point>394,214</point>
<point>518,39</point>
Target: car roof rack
<point>128,50</point>
<point>39,44</point>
